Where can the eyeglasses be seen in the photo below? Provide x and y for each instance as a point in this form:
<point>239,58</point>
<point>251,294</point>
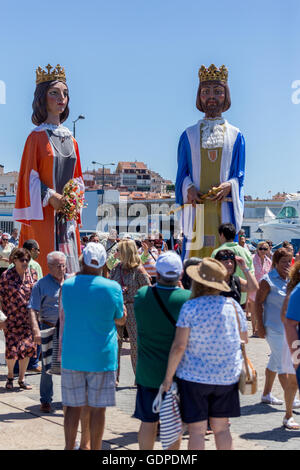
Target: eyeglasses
<point>263,249</point>
<point>57,265</point>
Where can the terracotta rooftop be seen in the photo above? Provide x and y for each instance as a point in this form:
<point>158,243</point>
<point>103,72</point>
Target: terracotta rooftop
<point>131,166</point>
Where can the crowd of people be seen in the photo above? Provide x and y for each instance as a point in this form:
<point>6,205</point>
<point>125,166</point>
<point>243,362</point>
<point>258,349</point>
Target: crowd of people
<point>185,321</point>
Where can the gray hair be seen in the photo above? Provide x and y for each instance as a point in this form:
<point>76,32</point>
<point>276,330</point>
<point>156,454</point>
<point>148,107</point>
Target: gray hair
<point>55,254</point>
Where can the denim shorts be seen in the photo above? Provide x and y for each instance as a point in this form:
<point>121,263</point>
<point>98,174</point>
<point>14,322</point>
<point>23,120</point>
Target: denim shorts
<point>95,389</point>
<point>198,402</point>
<point>143,405</point>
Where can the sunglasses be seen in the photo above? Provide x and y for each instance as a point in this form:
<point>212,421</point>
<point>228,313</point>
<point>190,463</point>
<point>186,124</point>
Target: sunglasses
<point>22,260</point>
<point>263,249</point>
<point>226,257</point>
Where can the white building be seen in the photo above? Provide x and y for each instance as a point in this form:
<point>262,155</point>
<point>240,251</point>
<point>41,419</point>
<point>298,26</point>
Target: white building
<point>7,204</point>
<point>257,212</point>
<point>8,182</point>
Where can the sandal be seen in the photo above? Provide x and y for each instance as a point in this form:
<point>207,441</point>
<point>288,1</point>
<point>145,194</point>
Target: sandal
<point>290,423</point>
<point>9,384</point>
<point>24,385</point>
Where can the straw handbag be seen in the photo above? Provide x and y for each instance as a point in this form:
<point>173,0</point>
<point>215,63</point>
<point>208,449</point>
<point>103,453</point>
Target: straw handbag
<point>248,377</point>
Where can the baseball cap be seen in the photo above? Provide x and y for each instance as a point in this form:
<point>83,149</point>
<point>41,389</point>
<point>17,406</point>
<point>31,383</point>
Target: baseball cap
<point>169,265</point>
<point>94,255</point>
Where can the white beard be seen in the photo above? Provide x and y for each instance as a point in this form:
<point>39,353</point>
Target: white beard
<point>212,133</point>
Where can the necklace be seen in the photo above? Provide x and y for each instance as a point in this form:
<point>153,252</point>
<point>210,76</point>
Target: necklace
<point>59,151</point>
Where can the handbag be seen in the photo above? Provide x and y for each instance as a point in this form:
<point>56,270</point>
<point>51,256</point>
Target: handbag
<point>169,415</point>
<point>248,376</point>
<point>50,351</point>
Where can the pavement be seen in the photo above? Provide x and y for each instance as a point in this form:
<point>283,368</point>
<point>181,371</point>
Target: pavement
<point>24,427</point>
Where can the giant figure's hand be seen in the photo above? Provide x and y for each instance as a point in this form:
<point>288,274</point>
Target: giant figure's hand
<point>57,202</point>
<point>193,195</point>
<point>225,189</point>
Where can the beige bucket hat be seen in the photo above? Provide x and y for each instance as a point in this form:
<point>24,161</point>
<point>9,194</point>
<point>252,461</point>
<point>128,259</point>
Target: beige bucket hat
<point>211,273</point>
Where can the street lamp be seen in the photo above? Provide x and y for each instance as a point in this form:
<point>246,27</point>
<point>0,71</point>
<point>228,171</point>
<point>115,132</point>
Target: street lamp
<point>79,117</point>
<point>103,166</point>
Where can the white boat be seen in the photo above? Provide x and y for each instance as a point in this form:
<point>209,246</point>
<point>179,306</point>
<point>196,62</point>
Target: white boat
<point>286,225</point>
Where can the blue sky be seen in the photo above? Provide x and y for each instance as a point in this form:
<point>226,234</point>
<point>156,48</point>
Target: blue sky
<point>132,69</point>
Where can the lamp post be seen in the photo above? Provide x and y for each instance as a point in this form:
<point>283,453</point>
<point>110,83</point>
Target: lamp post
<point>74,122</point>
<point>103,166</point>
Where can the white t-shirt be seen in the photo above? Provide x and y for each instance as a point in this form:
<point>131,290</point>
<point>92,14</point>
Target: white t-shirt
<point>213,354</point>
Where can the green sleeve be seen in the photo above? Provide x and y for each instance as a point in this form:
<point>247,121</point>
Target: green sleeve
<point>111,262</point>
<point>39,272</point>
<point>250,263</point>
<point>144,258</point>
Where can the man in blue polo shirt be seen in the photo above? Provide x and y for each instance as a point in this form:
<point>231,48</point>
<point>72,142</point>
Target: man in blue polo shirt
<point>43,305</point>
<point>291,325</point>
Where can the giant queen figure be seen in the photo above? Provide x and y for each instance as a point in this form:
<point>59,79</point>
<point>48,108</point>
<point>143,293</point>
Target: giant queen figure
<point>211,167</point>
<point>50,160</point>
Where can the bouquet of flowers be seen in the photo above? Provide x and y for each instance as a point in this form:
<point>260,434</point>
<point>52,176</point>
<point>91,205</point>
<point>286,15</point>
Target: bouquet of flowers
<point>73,201</point>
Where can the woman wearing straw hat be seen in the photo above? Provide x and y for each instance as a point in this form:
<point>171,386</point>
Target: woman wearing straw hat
<point>206,356</point>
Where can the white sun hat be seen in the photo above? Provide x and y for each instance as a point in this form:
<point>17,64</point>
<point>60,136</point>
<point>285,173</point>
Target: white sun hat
<point>169,265</point>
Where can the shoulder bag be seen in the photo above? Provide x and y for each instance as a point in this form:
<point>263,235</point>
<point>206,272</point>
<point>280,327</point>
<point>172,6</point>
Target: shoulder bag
<point>162,306</point>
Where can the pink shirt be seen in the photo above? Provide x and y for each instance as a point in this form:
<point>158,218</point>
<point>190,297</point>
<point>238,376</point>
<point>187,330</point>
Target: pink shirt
<point>260,270</point>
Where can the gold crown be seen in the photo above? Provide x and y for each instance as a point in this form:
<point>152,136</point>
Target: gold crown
<point>213,73</point>
<point>58,73</point>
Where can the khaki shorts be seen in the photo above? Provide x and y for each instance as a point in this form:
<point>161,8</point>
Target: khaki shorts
<point>95,389</point>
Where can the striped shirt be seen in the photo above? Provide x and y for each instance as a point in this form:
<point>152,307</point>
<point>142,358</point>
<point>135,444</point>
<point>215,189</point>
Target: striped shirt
<point>149,262</point>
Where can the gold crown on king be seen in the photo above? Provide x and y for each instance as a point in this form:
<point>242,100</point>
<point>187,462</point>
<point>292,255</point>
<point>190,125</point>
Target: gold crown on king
<point>48,75</point>
<point>213,73</point>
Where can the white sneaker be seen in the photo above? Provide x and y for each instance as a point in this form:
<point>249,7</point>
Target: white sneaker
<point>271,400</point>
<point>296,404</point>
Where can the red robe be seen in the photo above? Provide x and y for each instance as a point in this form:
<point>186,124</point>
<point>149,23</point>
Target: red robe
<point>38,170</point>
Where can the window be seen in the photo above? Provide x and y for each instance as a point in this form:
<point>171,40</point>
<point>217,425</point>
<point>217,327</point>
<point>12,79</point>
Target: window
<point>287,212</point>
<point>6,226</point>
